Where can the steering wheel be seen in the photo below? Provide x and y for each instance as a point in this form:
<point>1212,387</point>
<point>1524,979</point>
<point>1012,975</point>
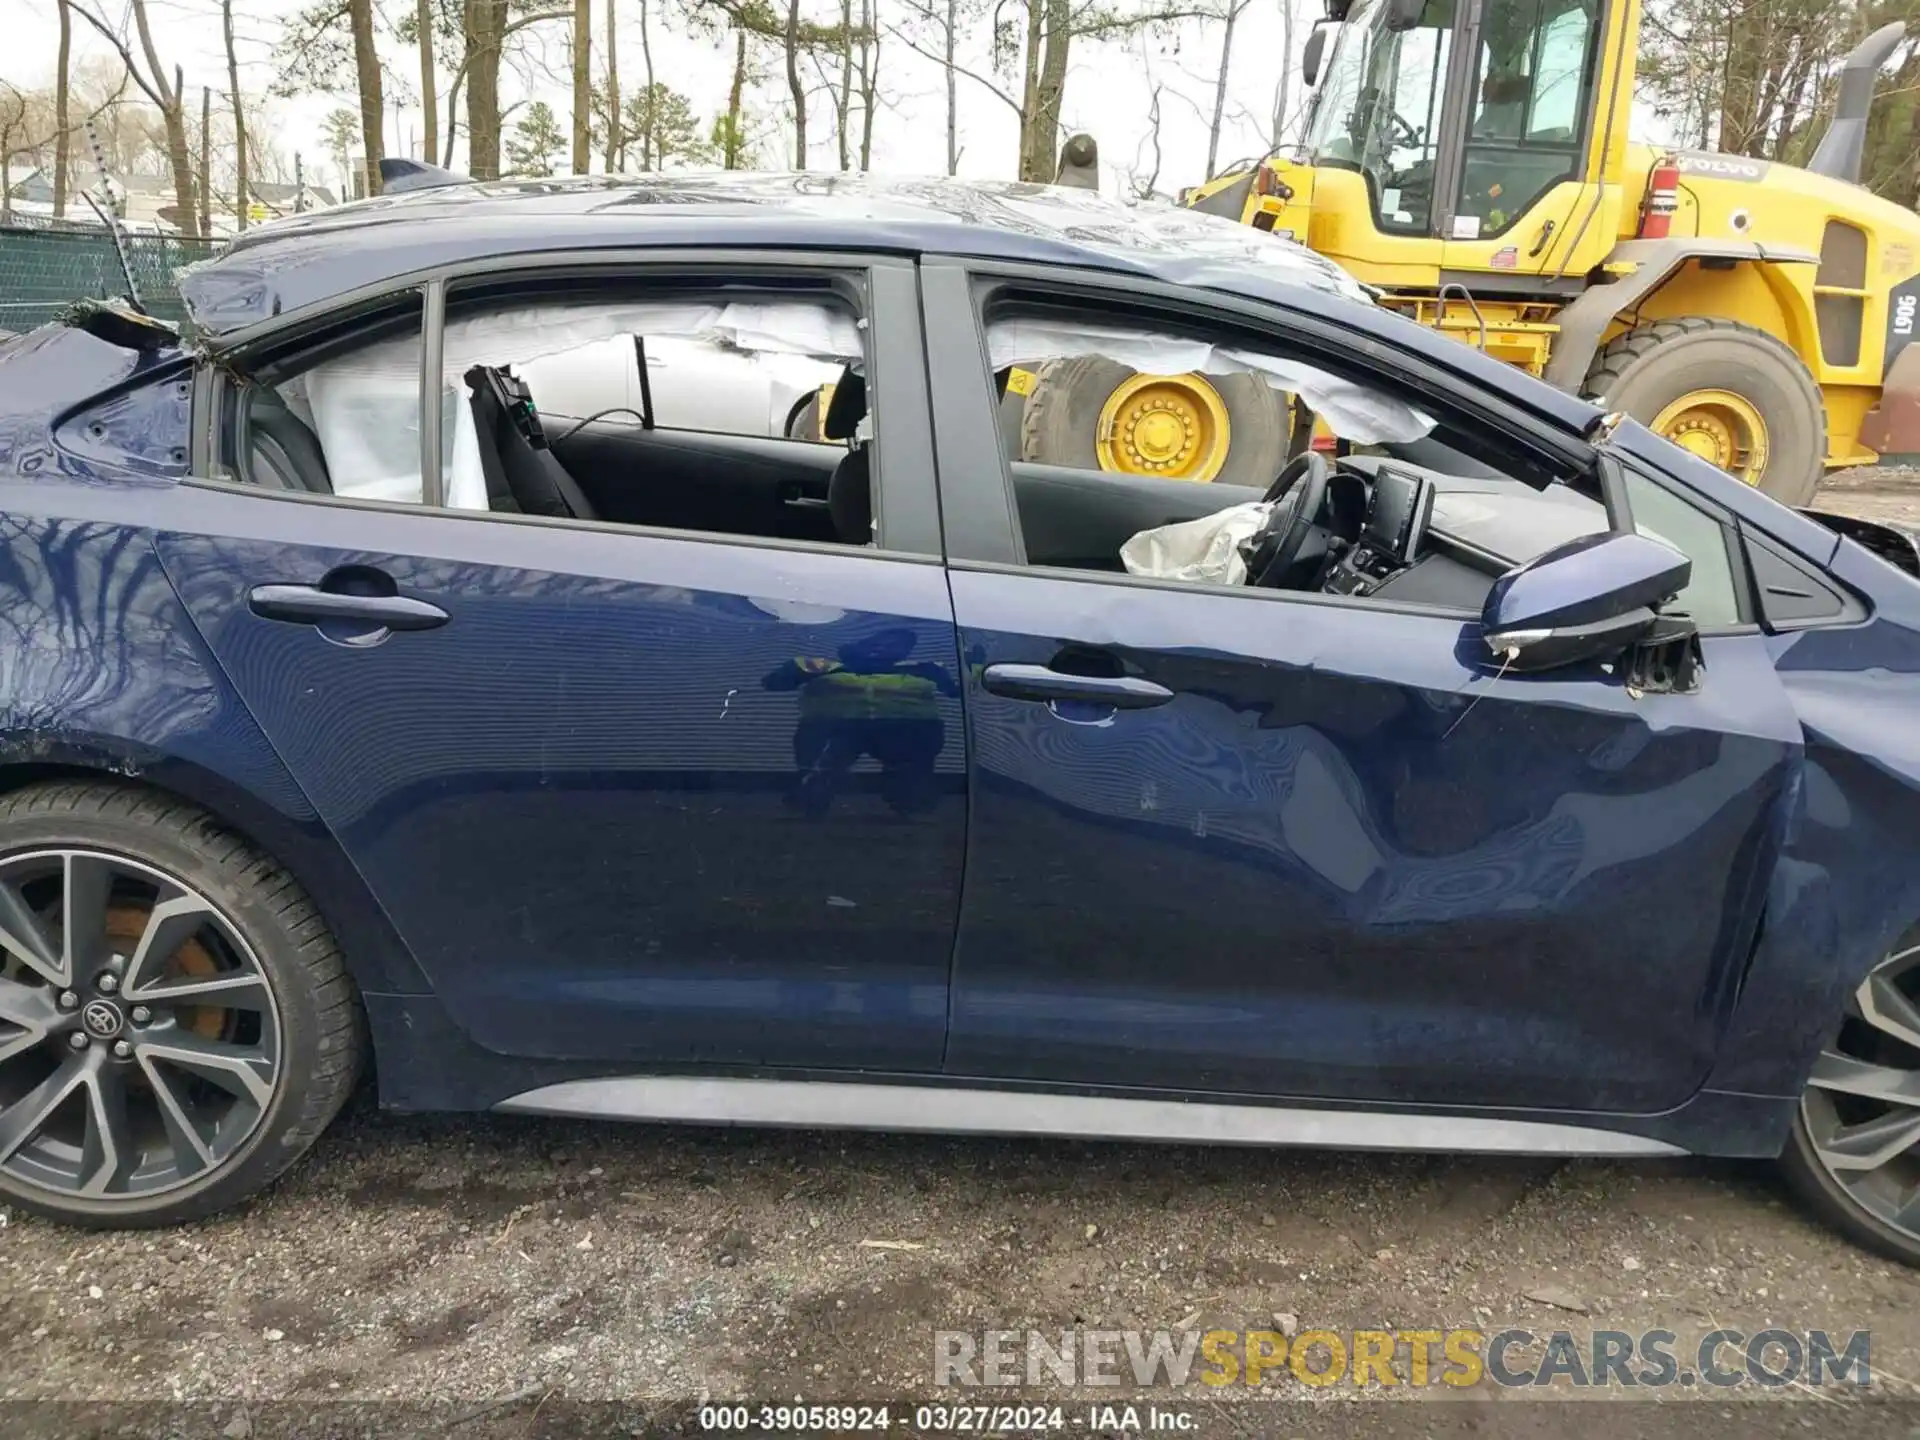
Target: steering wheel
<point>1310,472</point>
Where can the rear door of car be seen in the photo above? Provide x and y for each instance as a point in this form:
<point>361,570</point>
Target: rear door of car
<point>1250,841</point>
<point>604,799</point>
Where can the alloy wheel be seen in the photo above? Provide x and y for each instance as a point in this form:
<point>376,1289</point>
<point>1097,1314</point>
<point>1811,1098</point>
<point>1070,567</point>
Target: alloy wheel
<point>1861,1110</point>
<point>140,1041</point>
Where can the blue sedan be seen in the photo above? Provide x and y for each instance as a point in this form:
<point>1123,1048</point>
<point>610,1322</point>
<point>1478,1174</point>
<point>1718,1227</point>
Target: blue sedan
<point>1159,695</point>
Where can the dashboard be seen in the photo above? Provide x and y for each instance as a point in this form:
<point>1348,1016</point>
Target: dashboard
<point>1422,537</point>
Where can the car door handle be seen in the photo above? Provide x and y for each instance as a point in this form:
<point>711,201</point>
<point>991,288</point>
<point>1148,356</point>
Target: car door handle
<point>1041,683</point>
<point>310,605</point>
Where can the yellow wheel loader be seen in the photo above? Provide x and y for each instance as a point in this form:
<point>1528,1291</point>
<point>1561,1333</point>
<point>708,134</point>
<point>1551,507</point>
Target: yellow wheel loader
<point>1470,160</point>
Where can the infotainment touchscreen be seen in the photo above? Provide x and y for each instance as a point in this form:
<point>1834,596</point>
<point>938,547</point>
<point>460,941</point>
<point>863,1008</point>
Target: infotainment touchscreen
<point>1398,515</point>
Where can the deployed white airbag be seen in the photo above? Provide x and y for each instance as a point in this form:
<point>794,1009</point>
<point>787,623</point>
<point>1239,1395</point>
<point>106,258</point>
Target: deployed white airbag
<point>1207,551</point>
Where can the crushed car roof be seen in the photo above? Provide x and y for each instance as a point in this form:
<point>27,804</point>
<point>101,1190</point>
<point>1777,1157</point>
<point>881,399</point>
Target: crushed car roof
<point>310,259</point>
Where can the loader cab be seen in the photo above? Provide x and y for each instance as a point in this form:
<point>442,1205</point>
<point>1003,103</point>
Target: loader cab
<point>1476,133</point>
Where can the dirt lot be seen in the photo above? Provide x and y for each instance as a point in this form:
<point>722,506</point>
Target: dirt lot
<point>431,1268</point>
<point>1883,492</point>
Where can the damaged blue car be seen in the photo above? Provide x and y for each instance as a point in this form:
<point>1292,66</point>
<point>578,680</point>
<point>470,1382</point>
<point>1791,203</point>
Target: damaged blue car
<point>922,656</point>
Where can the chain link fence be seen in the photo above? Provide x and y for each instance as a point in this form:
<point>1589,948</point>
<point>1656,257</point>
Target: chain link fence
<point>44,269</point>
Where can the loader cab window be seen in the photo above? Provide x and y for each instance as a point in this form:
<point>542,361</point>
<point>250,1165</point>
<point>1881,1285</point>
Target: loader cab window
<point>1378,109</point>
<point>1532,91</point>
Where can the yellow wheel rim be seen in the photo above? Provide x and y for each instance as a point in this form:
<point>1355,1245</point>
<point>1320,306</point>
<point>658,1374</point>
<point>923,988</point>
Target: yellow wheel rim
<point>1172,426</point>
<point>1720,427</point>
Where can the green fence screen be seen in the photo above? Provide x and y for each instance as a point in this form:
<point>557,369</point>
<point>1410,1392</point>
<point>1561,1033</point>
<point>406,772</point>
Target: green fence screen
<point>43,271</point>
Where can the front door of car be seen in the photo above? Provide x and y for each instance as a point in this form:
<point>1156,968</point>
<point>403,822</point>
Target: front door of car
<point>1250,841</point>
<point>639,796</point>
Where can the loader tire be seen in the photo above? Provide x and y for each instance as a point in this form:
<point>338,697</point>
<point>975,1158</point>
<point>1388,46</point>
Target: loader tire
<point>1647,370</point>
<point>1060,423</point>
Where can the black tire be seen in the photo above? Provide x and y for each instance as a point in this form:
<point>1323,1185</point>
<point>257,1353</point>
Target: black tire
<point>1648,368</point>
<point>321,1033</point>
<point>1817,1191</point>
<point>1261,421</point>
<point>1012,413</point>
<point>1873,1043</point>
<point>1061,420</point>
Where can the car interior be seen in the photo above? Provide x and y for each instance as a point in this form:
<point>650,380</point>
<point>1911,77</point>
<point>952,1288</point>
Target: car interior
<point>1417,521</point>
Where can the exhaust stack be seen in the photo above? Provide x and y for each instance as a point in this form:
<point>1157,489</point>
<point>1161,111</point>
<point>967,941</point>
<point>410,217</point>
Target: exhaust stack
<point>1838,154</point>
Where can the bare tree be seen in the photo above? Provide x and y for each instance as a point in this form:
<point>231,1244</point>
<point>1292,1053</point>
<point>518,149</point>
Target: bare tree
<point>153,83</point>
<point>733,136</point>
<point>1143,182</point>
<point>869,53</point>
<point>483,33</point>
<point>1231,17</point>
<point>582,85</point>
<point>62,98</point>
<point>843,89</point>
<point>429,92</point>
<point>15,113</point>
<point>486,22</point>
<point>1277,124</point>
<point>949,39</point>
<point>241,196</point>
<point>650,152</point>
<point>366,62</point>
<point>794,87</point>
<point>206,156</point>
<point>1039,37</point>
<point>812,39</point>
<point>616,145</point>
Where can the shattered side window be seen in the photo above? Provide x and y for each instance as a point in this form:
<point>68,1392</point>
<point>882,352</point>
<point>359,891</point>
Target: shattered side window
<point>1175,407</point>
<point>756,368</point>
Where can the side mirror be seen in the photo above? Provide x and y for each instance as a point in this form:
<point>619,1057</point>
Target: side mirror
<point>1589,599</point>
<point>1403,15</point>
<point>1311,56</point>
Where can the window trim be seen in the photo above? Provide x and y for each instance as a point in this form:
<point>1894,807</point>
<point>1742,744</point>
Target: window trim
<point>413,509</point>
<point>905,502</point>
<point>433,348</point>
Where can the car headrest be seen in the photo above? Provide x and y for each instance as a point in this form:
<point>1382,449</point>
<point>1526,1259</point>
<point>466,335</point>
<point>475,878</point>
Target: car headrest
<point>847,408</point>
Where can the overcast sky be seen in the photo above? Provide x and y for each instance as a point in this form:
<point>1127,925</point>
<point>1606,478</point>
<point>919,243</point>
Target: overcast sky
<point>1109,87</point>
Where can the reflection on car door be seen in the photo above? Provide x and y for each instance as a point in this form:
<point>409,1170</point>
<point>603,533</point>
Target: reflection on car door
<point>635,799</point>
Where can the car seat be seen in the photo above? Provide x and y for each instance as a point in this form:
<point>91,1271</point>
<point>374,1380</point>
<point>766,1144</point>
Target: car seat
<point>282,452</point>
<point>850,489</point>
<point>521,472</point>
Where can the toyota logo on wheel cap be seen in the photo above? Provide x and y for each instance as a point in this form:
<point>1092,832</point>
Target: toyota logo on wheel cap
<point>101,1018</point>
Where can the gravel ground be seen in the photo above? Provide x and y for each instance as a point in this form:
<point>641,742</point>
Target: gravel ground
<point>491,1275</point>
<point>1884,492</point>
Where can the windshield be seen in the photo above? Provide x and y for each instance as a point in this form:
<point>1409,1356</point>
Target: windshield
<point>1378,109</point>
